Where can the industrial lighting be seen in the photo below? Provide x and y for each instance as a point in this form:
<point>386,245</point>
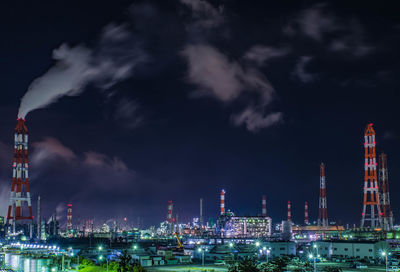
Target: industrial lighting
<point>135,247</point>
<point>100,248</point>
<point>230,244</point>
<point>383,253</point>
<point>199,250</point>
<point>257,244</point>
<point>310,256</point>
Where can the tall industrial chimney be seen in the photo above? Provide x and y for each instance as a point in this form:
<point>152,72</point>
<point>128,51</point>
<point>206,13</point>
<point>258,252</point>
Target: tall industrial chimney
<point>323,209</point>
<point>201,213</point>
<point>39,223</point>
<point>289,211</point>
<point>20,194</point>
<point>264,206</point>
<point>169,216</point>
<point>69,217</point>
<point>222,202</point>
<point>387,215</point>
<point>371,204</point>
<point>306,221</point>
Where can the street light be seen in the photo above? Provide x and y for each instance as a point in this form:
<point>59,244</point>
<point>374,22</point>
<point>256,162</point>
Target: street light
<point>386,259</point>
<point>101,257</point>
<point>268,252</point>
<point>315,264</point>
<point>202,255</point>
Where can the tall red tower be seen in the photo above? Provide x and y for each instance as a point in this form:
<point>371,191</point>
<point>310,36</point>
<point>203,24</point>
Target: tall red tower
<point>323,208</point>
<point>222,202</point>
<point>371,203</point>
<point>306,221</point>
<point>20,198</point>
<point>387,215</point>
<point>170,219</point>
<point>264,206</point>
<point>69,217</point>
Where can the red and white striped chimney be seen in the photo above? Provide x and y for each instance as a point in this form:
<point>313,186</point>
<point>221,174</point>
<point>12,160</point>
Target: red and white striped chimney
<point>306,213</point>
<point>289,211</point>
<point>222,202</point>
<point>170,207</point>
<point>264,206</point>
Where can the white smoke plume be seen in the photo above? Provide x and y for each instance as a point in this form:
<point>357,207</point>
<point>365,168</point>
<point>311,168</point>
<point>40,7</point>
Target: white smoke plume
<point>113,60</point>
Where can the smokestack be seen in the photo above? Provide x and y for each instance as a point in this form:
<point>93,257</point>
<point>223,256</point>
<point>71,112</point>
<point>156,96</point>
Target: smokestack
<point>69,217</point>
<point>169,216</point>
<point>289,211</point>
<point>201,212</point>
<point>39,224</point>
<point>306,213</point>
<point>323,213</point>
<point>387,214</point>
<point>264,206</point>
<point>222,202</point>
<point>20,195</point>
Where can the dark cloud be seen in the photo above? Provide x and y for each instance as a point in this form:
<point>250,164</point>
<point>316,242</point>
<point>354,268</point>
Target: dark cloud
<point>300,71</point>
<point>127,113</point>
<point>261,54</point>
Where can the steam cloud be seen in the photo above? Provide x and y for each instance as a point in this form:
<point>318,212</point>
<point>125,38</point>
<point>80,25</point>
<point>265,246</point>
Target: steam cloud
<point>113,60</point>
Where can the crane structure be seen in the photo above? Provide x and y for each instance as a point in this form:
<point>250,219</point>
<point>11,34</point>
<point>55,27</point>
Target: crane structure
<point>371,214</point>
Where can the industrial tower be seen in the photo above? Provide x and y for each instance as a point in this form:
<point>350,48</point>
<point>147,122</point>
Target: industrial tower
<point>201,213</point>
<point>371,201</point>
<point>20,195</point>
<point>170,219</point>
<point>69,217</point>
<point>387,215</point>
<point>289,211</point>
<point>264,206</point>
<point>306,221</point>
<point>222,202</point>
<point>323,208</point>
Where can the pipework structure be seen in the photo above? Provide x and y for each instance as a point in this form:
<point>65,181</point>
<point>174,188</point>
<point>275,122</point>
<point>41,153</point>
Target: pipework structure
<point>387,214</point>
<point>323,208</point>
<point>20,198</point>
<point>371,212</point>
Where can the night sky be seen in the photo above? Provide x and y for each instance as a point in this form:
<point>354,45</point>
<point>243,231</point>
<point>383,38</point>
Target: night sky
<point>177,100</point>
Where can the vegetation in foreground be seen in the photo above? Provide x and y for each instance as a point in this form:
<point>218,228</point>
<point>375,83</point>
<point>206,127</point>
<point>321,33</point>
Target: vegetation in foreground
<point>277,265</point>
<point>125,263</point>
